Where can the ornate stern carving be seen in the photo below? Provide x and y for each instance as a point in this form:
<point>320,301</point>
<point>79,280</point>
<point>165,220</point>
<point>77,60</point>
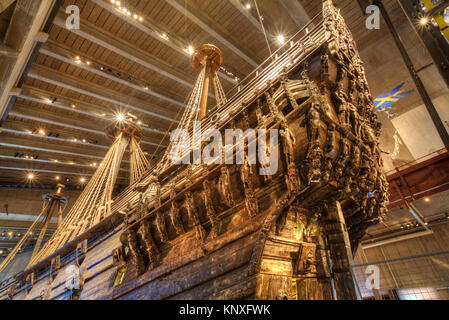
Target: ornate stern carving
<point>134,249</point>
<point>161,227</point>
<point>306,262</point>
<point>119,257</point>
<point>224,187</point>
<point>246,174</point>
<point>274,111</point>
<point>210,210</point>
<point>288,144</point>
<point>331,153</point>
<point>154,254</point>
<point>142,207</point>
<point>175,212</point>
<point>194,216</point>
<point>324,67</point>
<point>343,159</point>
<point>342,105</point>
<point>175,216</point>
<point>261,119</point>
<point>284,83</point>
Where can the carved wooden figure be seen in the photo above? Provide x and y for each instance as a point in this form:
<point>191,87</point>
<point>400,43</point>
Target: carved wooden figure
<point>210,210</point>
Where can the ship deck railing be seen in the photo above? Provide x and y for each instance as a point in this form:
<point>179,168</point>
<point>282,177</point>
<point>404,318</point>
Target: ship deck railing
<point>295,51</point>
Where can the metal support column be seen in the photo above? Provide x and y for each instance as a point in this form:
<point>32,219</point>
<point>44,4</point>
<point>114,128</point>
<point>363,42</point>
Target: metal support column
<point>431,37</point>
<point>418,83</point>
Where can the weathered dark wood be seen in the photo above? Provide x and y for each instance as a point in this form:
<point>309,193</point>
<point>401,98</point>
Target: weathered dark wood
<point>223,231</point>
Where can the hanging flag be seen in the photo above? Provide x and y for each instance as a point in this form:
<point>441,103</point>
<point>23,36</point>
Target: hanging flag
<point>387,99</point>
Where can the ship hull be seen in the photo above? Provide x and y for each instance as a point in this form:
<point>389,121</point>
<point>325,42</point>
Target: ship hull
<point>226,231</point>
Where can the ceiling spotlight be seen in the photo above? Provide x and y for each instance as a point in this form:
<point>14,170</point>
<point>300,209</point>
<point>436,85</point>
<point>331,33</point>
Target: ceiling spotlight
<point>190,50</point>
<point>248,6</point>
<point>427,199</point>
<point>31,233</point>
<point>117,3</point>
<point>30,176</point>
<point>73,106</point>
<point>42,132</point>
<point>83,180</point>
<point>140,19</point>
<point>135,16</point>
<point>57,177</point>
<point>139,122</point>
<point>10,233</point>
<point>88,63</point>
<point>281,39</point>
<point>423,21</point>
<point>120,117</point>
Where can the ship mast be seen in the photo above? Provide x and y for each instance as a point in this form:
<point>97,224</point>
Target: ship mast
<point>52,204</point>
<point>94,203</point>
<point>208,59</point>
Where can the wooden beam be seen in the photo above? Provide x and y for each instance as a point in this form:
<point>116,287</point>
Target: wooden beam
<point>67,56</point>
<point>154,31</point>
<point>240,7</point>
<point>42,97</point>
<point>66,125</point>
<point>7,51</point>
<point>4,4</point>
<point>12,74</point>
<point>200,20</point>
<point>49,151</point>
<point>62,140</point>
<point>113,43</point>
<point>87,88</point>
<point>15,160</point>
<point>46,171</point>
<point>297,12</point>
<point>21,217</point>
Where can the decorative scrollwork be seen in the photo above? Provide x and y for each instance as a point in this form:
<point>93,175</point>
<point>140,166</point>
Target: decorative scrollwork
<point>210,210</point>
<point>134,249</point>
<point>246,174</point>
<point>194,216</point>
<point>154,254</point>
<point>224,186</point>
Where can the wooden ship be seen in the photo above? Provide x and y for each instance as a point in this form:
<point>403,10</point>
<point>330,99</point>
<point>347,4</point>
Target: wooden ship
<point>225,231</point>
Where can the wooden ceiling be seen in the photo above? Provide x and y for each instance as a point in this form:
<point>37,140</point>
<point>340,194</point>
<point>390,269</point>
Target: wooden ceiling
<point>81,79</point>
